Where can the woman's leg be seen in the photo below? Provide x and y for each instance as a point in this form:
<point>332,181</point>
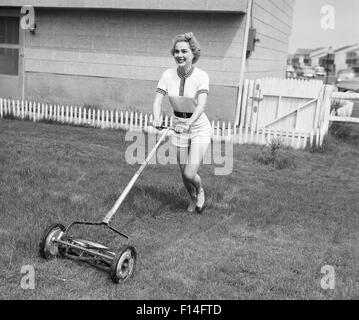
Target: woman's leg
<point>195,157</point>
<point>182,158</point>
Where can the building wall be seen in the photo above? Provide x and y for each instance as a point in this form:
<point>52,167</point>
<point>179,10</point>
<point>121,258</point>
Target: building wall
<point>340,60</point>
<point>192,5</point>
<point>115,58</point>
<point>273,21</point>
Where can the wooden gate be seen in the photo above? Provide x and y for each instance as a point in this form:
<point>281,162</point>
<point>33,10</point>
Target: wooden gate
<point>282,104</point>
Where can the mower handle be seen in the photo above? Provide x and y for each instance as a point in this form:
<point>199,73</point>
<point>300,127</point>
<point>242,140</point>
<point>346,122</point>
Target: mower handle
<point>129,186</point>
<point>169,128</point>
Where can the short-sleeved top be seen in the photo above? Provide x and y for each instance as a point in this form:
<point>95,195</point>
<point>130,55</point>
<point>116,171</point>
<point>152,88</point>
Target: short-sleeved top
<point>188,85</point>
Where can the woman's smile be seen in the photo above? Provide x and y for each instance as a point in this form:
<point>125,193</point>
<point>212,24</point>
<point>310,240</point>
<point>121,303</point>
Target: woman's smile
<point>183,55</point>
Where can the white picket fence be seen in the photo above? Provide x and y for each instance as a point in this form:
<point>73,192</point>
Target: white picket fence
<point>129,120</point>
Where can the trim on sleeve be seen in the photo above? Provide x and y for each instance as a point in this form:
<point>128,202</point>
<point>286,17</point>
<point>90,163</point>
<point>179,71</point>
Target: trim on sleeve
<point>161,91</point>
<point>202,91</point>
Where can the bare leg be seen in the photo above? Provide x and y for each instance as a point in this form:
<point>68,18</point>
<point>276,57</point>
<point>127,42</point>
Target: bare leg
<point>195,157</point>
<point>182,158</point>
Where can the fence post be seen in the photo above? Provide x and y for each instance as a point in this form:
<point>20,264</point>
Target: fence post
<point>26,113</point>
<point>102,119</point>
<point>98,123</point>
<point>17,108</point>
<point>141,121</point>
<point>92,117</point>
<point>4,104</point>
<point>31,110</point>
<point>229,132</point>
<point>107,119</point>
<point>13,108</point>
<point>217,130</point>
<point>305,141</point>
<point>131,121</point>
<point>42,111</point>
<point>72,116</point>
<point>146,122</point>
<point>116,120</point>
<point>111,119</point>
<point>240,134</point>
<point>317,138</point>
<point>298,141</point>
<point>62,114</point>
<point>327,106</point>
<point>76,116</point>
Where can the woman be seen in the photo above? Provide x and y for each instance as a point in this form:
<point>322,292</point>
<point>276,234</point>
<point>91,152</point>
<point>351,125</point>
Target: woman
<point>187,88</point>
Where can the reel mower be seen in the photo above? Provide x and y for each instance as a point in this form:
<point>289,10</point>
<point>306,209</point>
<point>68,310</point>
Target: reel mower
<point>57,241</point>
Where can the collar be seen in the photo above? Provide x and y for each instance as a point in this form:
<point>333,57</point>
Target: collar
<point>185,76</point>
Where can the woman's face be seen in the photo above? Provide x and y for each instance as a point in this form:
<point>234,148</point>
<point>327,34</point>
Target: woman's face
<point>183,54</point>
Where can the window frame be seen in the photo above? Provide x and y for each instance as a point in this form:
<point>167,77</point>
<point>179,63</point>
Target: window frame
<point>19,46</point>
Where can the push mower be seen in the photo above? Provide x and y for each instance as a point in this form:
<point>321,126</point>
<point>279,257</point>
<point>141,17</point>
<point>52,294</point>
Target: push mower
<point>58,241</point>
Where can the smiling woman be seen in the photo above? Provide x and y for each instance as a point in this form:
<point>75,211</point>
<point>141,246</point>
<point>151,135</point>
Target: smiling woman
<point>187,88</point>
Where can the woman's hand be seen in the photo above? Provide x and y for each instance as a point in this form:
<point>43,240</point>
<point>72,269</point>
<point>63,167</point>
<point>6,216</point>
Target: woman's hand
<point>156,123</point>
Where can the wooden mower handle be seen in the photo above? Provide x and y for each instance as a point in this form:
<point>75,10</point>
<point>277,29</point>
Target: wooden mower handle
<point>128,188</point>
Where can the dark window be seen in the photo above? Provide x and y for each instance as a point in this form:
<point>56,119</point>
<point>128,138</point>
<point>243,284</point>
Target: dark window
<point>9,45</point>
<point>9,61</point>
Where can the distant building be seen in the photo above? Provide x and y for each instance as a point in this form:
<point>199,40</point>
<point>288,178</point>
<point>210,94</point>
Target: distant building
<point>112,53</point>
<point>301,58</point>
<point>344,56</point>
<point>317,56</point>
<point>352,58</point>
<point>323,57</point>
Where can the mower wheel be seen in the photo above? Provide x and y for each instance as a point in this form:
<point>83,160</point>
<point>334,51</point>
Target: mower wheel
<point>123,264</point>
<point>48,248</point>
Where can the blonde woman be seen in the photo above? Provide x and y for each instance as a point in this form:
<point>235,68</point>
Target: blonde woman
<point>187,88</point>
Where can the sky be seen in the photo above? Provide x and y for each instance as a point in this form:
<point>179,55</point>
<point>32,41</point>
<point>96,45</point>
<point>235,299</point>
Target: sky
<point>307,30</point>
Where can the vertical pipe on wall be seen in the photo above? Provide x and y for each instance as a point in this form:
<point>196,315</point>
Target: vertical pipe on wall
<point>243,62</point>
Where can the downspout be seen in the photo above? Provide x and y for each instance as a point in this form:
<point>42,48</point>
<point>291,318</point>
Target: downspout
<point>243,62</point>
<point>23,67</point>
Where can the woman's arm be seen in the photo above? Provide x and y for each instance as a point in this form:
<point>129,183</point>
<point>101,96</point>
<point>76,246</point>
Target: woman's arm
<point>157,109</point>
<point>201,106</point>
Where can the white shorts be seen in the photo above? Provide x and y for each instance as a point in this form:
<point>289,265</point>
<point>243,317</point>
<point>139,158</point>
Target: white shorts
<point>201,132</point>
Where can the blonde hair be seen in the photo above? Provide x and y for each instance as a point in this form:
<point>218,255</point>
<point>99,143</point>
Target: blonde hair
<point>193,44</point>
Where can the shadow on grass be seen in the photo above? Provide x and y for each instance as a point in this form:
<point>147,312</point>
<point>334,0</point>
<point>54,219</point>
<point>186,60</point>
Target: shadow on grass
<point>150,200</point>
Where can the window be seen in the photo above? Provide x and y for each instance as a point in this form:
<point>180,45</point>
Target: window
<point>9,45</point>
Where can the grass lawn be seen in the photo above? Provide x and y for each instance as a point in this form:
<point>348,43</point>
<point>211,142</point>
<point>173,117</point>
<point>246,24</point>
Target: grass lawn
<point>266,233</point>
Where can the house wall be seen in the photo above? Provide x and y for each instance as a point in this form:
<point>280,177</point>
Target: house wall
<point>273,21</point>
<point>340,60</point>
<point>193,5</point>
<point>114,59</point>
